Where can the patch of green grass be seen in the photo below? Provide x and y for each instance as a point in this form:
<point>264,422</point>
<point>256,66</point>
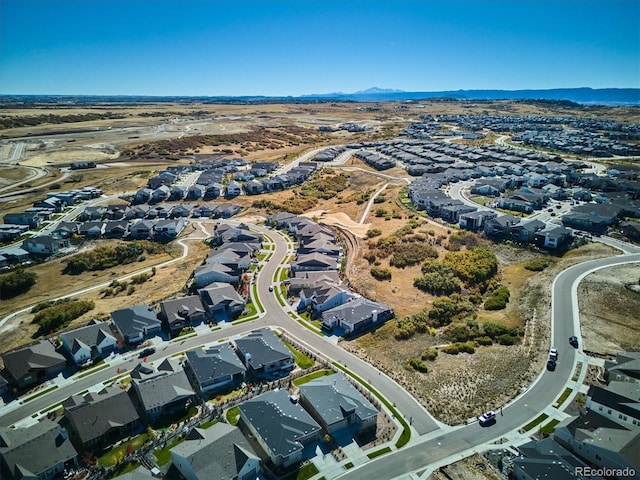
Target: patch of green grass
<point>255,299</point>
<point>563,397</point>
<point>348,465</point>
<point>535,422</point>
<point>302,360</point>
<point>208,424</point>
<point>163,455</point>
<point>377,453</point>
<point>306,472</point>
<point>39,394</point>
<point>116,454</point>
<point>550,427</point>
<point>251,311</point>
<point>233,415</point>
<point>405,436</point>
<point>312,376</point>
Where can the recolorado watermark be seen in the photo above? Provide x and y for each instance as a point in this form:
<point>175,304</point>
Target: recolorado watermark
<point>605,472</point>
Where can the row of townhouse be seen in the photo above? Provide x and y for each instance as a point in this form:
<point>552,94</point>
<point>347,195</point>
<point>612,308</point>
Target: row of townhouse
<point>603,438</point>
<point>314,279</point>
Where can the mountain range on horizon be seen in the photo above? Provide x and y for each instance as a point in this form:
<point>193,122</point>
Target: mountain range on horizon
<point>584,96</point>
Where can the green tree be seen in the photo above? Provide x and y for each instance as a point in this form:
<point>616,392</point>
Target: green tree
<point>16,282</point>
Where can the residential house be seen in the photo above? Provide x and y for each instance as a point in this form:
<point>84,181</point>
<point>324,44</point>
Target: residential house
<point>116,228</point>
<point>85,343</point>
<point>41,451</point>
<point>309,279</point>
<point>233,189</point>
<point>168,228</point>
<point>142,196</point>
<point>65,230</point>
<point>214,368</point>
<point>475,220</point>
<point>213,190</point>
<point>323,296</point>
<point>162,179</point>
<point>227,210</point>
<point>500,226</point>
<point>225,233</point>
<point>45,245</point>
<point>600,441</point>
<point>32,365</point>
<point>31,219</point>
<point>336,404</point>
<point>281,428</point>
<point>451,213</point>
<point>8,233</point>
<point>15,255</point>
<point>53,204</point>
<point>97,419</point>
<point>136,323</point>
<point>177,192</point>
<point>141,229</point>
<point>91,229</point>
<point>160,194</point>
<point>314,261</point>
<point>553,236</point>
<point>323,244</point>
<point>625,368</point>
<point>254,187</point>
<point>160,391</point>
<point>547,459</point>
<point>221,452</point>
<point>221,301</point>
<point>525,230</point>
<point>264,354</point>
<point>92,213</point>
<point>618,401</point>
<point>356,316</point>
<point>179,312</point>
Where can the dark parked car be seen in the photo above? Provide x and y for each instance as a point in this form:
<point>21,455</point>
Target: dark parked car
<point>551,365</point>
<point>573,341</point>
<point>146,352</point>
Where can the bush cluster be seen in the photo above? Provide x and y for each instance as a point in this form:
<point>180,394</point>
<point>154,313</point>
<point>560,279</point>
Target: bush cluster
<point>498,299</point>
<point>460,347</point>
<point>437,279</point>
<point>407,254</point>
<point>16,282</point>
<point>374,232</point>
<point>380,273</point>
<point>58,316</point>
<point>537,264</point>
<point>418,365</point>
<point>473,266</point>
<point>106,256</point>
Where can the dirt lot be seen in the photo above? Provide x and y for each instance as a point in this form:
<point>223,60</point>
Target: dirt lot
<point>609,302</point>
<point>475,467</point>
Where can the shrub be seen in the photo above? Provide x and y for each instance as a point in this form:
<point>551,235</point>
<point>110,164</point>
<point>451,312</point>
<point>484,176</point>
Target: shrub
<point>430,354</point>
<point>16,282</point>
<point>380,273</point>
<point>495,303</point>
<point>473,266</point>
<point>537,264</point>
<point>105,256</point>
<point>446,309</point>
<point>437,278</point>
<point>407,254</point>
<point>484,341</point>
<point>494,330</point>
<point>506,339</point>
<point>459,347</point>
<point>418,365</point>
<point>373,232</point>
<point>58,316</point>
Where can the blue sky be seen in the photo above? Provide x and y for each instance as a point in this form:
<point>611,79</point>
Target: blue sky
<point>296,47</point>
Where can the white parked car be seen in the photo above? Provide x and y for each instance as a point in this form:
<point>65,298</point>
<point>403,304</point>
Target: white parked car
<point>553,354</point>
<point>487,418</point>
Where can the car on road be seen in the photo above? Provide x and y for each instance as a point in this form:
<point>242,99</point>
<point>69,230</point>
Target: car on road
<point>487,418</point>
<point>271,288</point>
<point>553,354</point>
<point>573,341</point>
<point>146,352</point>
<point>551,365</point>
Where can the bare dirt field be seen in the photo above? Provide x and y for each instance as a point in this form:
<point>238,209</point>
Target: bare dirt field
<point>609,301</point>
<point>475,467</point>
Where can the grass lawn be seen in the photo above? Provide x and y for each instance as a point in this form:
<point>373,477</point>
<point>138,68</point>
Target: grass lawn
<point>233,415</point>
<point>312,376</point>
<point>563,397</point>
<point>112,457</point>
<point>377,453</point>
<point>302,360</point>
<point>208,424</point>
<point>163,455</point>
<point>550,427</point>
<point>308,471</point>
<point>535,422</point>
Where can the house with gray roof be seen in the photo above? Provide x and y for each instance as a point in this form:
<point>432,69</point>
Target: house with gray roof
<point>175,314</point>
<point>32,365</point>
<point>220,452</point>
<point>162,390</point>
<point>87,342</point>
<point>600,441</point>
<point>625,368</point>
<point>214,368</point>
<point>356,316</point>
<point>100,418</point>
<point>547,459</point>
<point>314,261</point>
<point>42,451</point>
<point>553,236</point>
<point>44,245</point>
<point>282,428</point>
<point>336,404</point>
<point>323,296</point>
<point>221,301</point>
<point>136,323</point>
<point>619,401</point>
<point>263,353</point>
